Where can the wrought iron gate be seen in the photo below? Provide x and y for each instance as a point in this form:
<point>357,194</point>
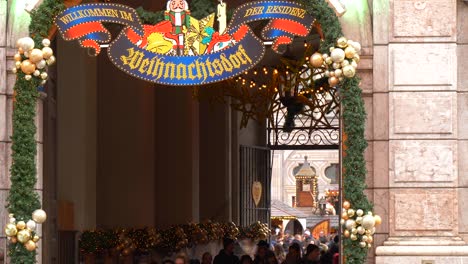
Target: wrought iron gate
<point>255,166</point>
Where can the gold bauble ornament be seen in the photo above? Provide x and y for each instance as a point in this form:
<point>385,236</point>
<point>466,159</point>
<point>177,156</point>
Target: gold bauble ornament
<point>316,60</point>
<point>28,67</point>
<point>350,52</point>
<point>344,216</point>
<point>362,244</point>
<point>30,245</point>
<point>342,221</point>
<point>20,50</point>
<point>336,65</point>
<point>338,73</point>
<point>46,42</point>
<point>27,77</point>
<point>18,57</point>
<point>378,220</point>
<point>27,44</point>
<point>356,45</point>
<point>357,58</point>
<point>23,235</point>
<point>26,54</point>
<point>14,70</point>
<point>354,231</point>
<point>328,61</point>
<point>364,238</point>
<point>47,52</point>
<point>21,225</point>
<point>51,60</point>
<point>359,220</point>
<point>12,220</point>
<point>369,239</point>
<point>354,64</point>
<point>346,233</point>
<point>342,42</point>
<point>359,212</point>
<point>35,238</point>
<point>31,225</point>
<point>36,55</point>
<point>369,245</point>
<point>11,230</point>
<point>331,74</point>
<point>353,237</point>
<point>349,71</point>
<point>41,64</point>
<point>346,205</point>
<point>39,216</point>
<point>43,82</point>
<point>360,230</point>
<point>368,222</point>
<point>332,81</point>
<point>337,55</point>
<point>350,224</point>
<point>37,73</point>
<point>18,64</point>
<point>350,212</point>
<point>44,75</point>
<point>13,240</point>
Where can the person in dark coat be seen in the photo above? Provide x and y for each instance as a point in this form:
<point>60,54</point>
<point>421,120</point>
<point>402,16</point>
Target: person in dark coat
<point>312,255</point>
<point>226,255</point>
<point>263,253</point>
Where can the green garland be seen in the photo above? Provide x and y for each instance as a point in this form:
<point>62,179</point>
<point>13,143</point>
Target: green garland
<point>354,118</point>
<point>23,200</point>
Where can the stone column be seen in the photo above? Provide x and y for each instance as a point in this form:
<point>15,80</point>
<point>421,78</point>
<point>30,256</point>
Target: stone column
<point>415,119</point>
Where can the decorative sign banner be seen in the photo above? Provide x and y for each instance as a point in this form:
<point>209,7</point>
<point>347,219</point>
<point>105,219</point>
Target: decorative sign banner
<point>183,50</point>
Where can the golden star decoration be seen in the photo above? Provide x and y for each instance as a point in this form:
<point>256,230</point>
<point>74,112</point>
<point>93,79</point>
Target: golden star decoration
<point>196,33</point>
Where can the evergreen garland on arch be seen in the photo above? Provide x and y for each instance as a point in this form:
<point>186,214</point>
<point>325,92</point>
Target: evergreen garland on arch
<point>23,200</point>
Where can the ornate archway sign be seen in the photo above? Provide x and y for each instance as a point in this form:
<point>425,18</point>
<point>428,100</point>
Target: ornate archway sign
<point>182,50</point>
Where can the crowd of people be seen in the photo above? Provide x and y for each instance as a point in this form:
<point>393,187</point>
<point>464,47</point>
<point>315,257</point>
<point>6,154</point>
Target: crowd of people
<point>286,250</point>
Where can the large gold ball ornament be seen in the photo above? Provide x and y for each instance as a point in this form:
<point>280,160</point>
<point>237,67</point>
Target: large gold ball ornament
<point>35,238</point>
<point>337,55</point>
<point>350,212</point>
<point>316,60</point>
<point>39,216</point>
<point>21,225</point>
<point>356,45</point>
<point>23,235</point>
<point>36,55</point>
<point>11,230</point>
<point>346,233</point>
<point>353,237</point>
<point>31,225</point>
<point>17,57</point>
<point>30,245</point>
<point>350,224</point>
<point>350,52</point>
<point>27,44</point>
<point>368,222</point>
<point>349,71</point>
<point>28,67</point>
<point>362,244</point>
<point>378,220</point>
<point>360,230</point>
<point>342,42</point>
<point>46,42</point>
<point>346,205</point>
<point>359,212</point>
<point>332,81</point>
<point>41,64</point>
<point>47,52</point>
